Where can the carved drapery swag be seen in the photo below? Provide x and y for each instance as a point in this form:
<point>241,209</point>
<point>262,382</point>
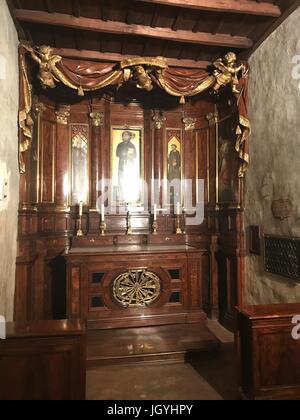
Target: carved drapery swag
<point>244,128</point>
<point>85,76</point>
<point>25,119</point>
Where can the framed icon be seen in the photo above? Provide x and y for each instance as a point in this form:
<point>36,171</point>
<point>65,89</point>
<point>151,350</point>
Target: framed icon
<point>127,165</point>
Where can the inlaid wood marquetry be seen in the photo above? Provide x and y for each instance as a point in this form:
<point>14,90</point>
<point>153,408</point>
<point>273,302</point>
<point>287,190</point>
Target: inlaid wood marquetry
<point>136,288</point>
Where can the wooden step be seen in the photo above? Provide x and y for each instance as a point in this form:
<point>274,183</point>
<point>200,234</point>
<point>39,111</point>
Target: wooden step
<point>165,344</point>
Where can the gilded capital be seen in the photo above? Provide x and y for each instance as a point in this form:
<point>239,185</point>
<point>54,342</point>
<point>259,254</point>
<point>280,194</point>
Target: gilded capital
<point>189,123</point>
<point>39,107</point>
<point>62,117</point>
<point>97,118</point>
<point>159,121</point>
<point>212,118</point>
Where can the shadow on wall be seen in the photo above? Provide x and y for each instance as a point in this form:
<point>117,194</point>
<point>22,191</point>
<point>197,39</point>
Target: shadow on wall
<point>59,287</point>
<point>220,370</point>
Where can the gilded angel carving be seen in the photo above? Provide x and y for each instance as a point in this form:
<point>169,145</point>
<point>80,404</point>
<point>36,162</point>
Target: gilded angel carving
<point>144,80</point>
<point>141,70</point>
<point>226,72</point>
<point>141,76</point>
<point>47,61</point>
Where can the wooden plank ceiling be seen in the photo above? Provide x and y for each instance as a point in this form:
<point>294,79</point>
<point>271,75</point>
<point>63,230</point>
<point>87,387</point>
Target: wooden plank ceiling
<point>190,33</point>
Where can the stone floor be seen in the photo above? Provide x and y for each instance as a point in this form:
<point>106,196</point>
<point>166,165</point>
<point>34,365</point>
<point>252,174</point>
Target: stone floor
<point>212,376</point>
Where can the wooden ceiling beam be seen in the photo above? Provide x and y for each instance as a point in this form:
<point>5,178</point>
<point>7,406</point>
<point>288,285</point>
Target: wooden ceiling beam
<point>76,8</point>
<point>116,58</point>
<point>49,6</point>
<point>230,6</point>
<point>293,5</point>
<point>121,28</point>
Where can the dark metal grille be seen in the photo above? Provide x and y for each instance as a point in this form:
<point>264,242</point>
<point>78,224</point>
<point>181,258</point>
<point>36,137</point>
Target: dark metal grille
<point>282,256</point>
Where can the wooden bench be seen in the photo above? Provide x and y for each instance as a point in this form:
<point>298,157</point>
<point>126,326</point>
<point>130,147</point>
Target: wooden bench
<point>269,355</point>
<point>43,360</point>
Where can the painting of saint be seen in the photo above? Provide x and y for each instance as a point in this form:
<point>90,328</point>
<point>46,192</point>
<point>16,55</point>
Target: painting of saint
<point>174,167</point>
<point>80,174</point>
<point>126,165</point>
<point>174,163</point>
<point>126,153</point>
<point>227,166</point>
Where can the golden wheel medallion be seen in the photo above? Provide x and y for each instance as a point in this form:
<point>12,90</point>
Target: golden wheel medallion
<point>136,288</point>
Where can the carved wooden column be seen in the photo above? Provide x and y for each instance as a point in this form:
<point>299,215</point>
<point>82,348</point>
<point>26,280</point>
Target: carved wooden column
<point>97,124</point>
<point>158,166</point>
<point>190,172</point>
<point>97,120</point>
<point>213,121</point>
<point>29,159</point>
<point>214,279</point>
<point>62,156</point>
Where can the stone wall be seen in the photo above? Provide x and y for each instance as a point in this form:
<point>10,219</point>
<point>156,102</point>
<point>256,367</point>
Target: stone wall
<point>8,158</point>
<point>275,153</point>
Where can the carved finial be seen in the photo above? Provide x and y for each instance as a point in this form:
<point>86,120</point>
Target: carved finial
<point>97,118</point>
<point>189,123</point>
<point>212,118</point>
<point>62,117</point>
<point>38,107</point>
<point>159,120</point>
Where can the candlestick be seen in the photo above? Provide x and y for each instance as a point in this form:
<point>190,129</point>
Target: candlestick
<point>178,227</point>
<point>155,212</point>
<point>154,227</point>
<point>184,220</point>
<point>129,227</point>
<point>79,230</point>
<point>102,228</point>
<point>102,221</point>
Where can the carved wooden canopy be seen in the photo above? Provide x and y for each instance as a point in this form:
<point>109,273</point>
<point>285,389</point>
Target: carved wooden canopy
<point>146,73</point>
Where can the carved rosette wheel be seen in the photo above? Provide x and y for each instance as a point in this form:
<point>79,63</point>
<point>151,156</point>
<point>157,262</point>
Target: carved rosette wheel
<point>136,288</point>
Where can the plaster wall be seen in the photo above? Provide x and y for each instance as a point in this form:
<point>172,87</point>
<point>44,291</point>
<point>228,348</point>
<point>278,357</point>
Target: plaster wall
<point>9,175</point>
<point>274,173</point>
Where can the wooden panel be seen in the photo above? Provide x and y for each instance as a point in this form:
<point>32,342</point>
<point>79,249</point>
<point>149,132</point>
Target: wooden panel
<point>51,355</point>
<point>74,292</point>
<point>62,159</point>
<point>80,163</point>
<point>190,163</point>
<point>202,157</point>
<point>269,355</point>
<point>206,281</point>
<point>47,162</point>
<point>42,281</point>
<point>23,292</point>
<point>180,299</point>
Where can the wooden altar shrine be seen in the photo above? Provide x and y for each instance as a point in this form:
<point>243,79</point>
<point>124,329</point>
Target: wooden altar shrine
<point>167,276</point>
<point>148,262</point>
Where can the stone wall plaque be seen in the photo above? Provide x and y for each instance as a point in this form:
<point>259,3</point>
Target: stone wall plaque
<point>282,209</point>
